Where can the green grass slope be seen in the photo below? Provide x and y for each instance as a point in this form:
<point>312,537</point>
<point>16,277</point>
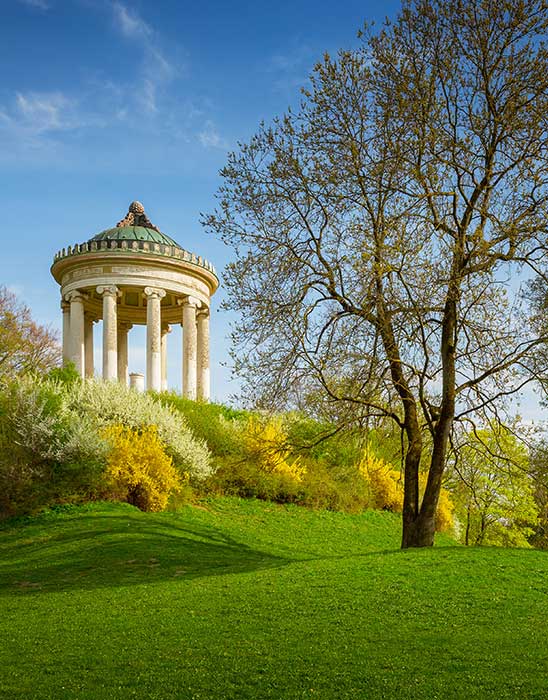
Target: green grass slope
<point>241,599</point>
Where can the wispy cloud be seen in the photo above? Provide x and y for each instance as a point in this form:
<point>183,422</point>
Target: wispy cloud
<point>156,69</point>
<point>56,126</point>
<point>35,124</point>
<point>41,112</point>
<point>291,67</point>
<point>129,22</point>
<point>210,137</point>
<point>37,4</point>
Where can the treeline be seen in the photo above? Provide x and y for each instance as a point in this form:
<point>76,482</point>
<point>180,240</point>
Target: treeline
<point>64,440</point>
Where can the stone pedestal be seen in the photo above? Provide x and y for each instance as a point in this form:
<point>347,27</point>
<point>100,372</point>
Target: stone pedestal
<point>137,381</point>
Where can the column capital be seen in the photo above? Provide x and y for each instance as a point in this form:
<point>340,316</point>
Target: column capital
<point>106,290</point>
<point>65,306</point>
<point>166,328</point>
<point>203,311</point>
<point>189,301</point>
<point>76,295</point>
<point>154,293</point>
<point>125,325</point>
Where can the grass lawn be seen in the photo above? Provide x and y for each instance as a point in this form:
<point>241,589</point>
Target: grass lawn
<point>241,599</point>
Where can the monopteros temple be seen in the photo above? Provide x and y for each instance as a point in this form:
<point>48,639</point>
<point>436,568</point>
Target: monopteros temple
<point>135,274</point>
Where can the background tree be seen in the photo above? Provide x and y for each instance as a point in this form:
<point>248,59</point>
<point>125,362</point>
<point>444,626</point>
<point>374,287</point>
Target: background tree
<point>539,470</point>
<point>493,489</point>
<point>25,346</point>
<point>379,230</point>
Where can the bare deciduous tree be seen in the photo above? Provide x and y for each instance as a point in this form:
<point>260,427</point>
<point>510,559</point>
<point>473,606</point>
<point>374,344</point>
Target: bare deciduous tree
<point>381,230</point>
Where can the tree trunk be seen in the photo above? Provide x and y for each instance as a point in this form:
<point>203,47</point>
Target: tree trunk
<point>412,535</point>
<point>421,530</point>
<point>418,533</point>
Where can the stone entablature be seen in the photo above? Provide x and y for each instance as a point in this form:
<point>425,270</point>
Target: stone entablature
<point>126,282</point>
<point>131,247</point>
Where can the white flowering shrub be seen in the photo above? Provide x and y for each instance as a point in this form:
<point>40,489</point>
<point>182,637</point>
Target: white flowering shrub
<point>107,403</point>
<point>47,451</point>
<point>52,439</point>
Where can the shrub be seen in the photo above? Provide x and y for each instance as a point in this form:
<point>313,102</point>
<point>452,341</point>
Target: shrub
<point>138,469</point>
<point>386,490</point>
<point>48,453</point>
<point>247,480</point>
<point>220,426</point>
<point>385,484</point>
<point>320,442</point>
<point>444,512</point>
<point>108,403</point>
<point>265,442</point>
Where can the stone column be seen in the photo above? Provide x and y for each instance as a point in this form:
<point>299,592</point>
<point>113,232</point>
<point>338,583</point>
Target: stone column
<point>65,308</point>
<point>189,348</point>
<point>77,354</point>
<point>154,350</point>
<point>110,332</point>
<point>165,330</point>
<point>88,344</point>
<point>203,355</point>
<point>123,330</point>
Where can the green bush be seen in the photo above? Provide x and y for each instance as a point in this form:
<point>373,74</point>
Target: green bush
<point>219,426</point>
<point>48,453</point>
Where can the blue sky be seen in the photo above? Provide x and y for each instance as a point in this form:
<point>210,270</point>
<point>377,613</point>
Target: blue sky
<point>103,102</point>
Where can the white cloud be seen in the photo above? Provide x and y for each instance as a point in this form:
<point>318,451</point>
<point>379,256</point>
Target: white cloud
<point>38,4</point>
<point>48,126</point>
<point>40,112</point>
<point>129,22</point>
<point>292,67</point>
<point>147,95</point>
<point>156,70</point>
<point>210,136</point>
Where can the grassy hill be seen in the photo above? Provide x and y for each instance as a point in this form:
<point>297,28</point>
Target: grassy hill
<point>242,599</point>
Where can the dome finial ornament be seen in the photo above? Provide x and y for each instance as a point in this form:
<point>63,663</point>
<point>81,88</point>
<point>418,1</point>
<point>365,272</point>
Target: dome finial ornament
<point>136,217</point>
<point>136,208</point>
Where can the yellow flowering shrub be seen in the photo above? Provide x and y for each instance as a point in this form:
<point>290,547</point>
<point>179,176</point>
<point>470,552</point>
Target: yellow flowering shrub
<point>138,469</point>
<point>385,483</point>
<point>444,512</point>
<point>386,490</point>
<point>265,442</point>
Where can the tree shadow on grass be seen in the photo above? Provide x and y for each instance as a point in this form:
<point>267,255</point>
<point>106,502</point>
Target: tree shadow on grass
<point>89,552</point>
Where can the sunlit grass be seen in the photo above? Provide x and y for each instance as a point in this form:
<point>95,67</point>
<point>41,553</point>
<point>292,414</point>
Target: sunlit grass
<point>242,599</point>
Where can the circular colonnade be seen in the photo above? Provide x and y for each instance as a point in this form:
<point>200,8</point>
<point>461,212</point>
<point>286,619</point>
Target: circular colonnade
<point>133,274</point>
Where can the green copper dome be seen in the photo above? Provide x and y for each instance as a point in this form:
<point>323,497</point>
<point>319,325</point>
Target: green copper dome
<point>134,233</point>
<point>132,237</point>
<point>135,226</point>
